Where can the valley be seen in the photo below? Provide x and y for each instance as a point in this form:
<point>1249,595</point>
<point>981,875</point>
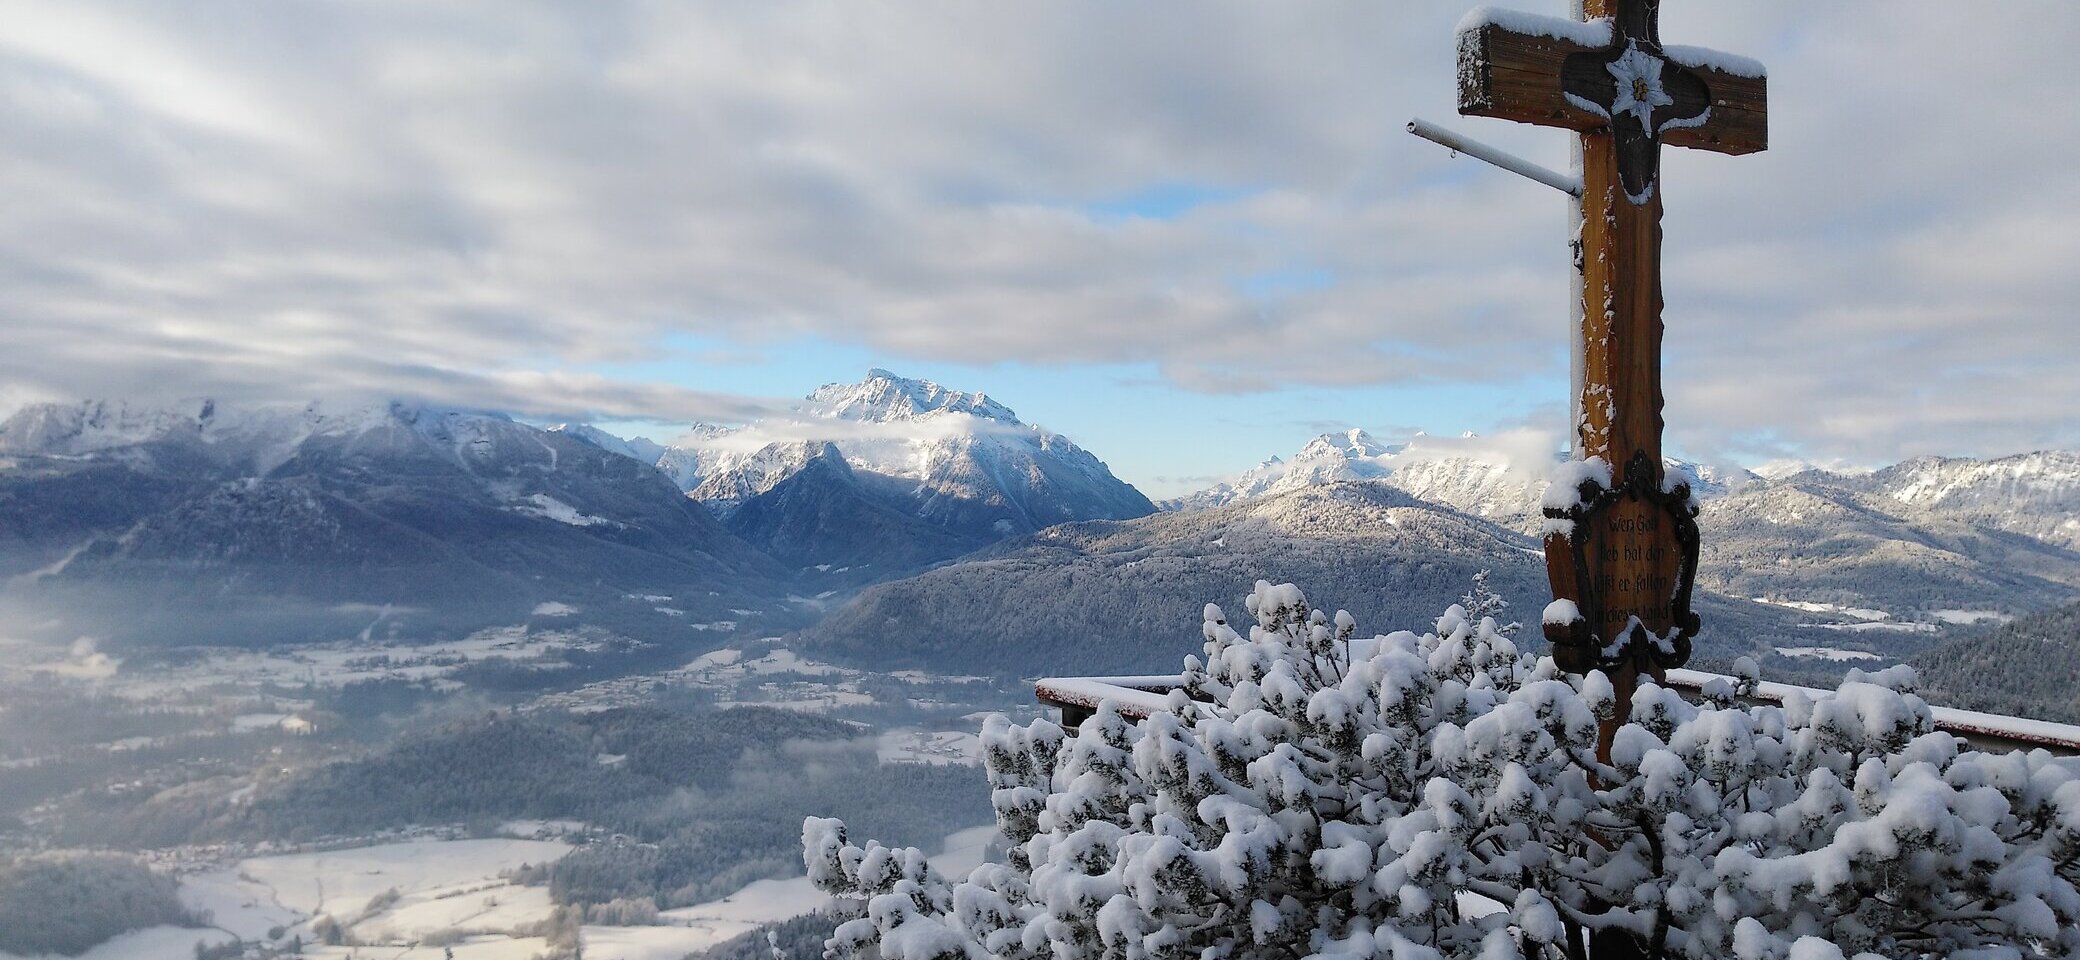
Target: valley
<point>417,682</point>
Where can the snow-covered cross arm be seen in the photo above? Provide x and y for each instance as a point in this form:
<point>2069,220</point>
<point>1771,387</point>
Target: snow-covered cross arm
<point>1579,75</point>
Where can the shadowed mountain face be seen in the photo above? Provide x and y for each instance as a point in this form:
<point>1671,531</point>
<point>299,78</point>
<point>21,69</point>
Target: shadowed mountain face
<point>842,527</point>
<point>274,525</point>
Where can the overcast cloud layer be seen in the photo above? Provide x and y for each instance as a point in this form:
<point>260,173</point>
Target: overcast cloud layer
<point>476,203</point>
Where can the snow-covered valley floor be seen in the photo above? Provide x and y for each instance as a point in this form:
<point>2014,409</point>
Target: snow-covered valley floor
<point>418,900</point>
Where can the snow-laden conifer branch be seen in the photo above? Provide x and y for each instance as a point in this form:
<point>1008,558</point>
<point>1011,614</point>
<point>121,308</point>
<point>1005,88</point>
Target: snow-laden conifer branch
<point>1439,796</point>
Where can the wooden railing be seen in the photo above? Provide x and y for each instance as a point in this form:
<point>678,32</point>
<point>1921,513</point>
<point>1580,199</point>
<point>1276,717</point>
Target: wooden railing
<point>1137,697</point>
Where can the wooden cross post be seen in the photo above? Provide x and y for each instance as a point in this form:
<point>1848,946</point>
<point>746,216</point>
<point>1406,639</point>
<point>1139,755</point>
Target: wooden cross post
<point>1621,542</point>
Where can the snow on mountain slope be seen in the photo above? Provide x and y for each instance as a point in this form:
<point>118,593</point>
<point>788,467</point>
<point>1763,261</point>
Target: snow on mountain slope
<point>1120,596</point>
<point>1486,479</point>
<point>642,449</point>
<point>1812,540</point>
<point>297,517</point>
<point>2034,494</point>
<point>1329,458</point>
<point>884,397</point>
<point>254,439</point>
<point>53,429</point>
<point>969,464</point>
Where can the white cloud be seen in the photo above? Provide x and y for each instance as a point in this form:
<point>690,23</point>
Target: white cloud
<point>466,202</point>
<point>794,428</point>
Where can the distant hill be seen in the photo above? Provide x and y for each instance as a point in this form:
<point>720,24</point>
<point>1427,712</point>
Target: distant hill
<point>2029,667</point>
<point>1125,597</point>
<point>1827,541</point>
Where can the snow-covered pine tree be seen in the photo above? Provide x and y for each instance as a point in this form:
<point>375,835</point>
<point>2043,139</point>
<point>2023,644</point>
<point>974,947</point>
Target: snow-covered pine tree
<point>1482,601</point>
<point>1439,796</point>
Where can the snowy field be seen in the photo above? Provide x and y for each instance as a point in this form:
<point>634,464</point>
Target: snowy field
<point>1856,613</point>
<point>1865,619</point>
<point>392,895</point>
<point>344,882</point>
<point>420,899</point>
<point>391,899</point>
<point>1875,627</point>
<point>1972,617</point>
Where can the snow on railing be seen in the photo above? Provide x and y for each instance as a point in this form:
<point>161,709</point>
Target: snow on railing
<point>1138,697</point>
<point>1970,724</point>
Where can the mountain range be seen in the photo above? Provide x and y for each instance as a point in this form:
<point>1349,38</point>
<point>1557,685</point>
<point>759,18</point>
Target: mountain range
<point>248,524</point>
<point>1909,540</point>
<point>875,479</point>
<point>210,525</point>
<point>1471,475</point>
<point>1806,571</point>
<point>899,522</point>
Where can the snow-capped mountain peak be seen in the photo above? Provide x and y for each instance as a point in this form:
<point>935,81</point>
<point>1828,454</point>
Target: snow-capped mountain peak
<point>636,448</point>
<point>2045,475</point>
<point>960,462</point>
<point>1352,444</point>
<point>1499,479</point>
<point>884,397</point>
<point>1328,458</point>
<point>91,426</point>
<point>2035,494</point>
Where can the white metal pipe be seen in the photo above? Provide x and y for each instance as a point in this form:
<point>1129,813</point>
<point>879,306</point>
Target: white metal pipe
<point>1572,186</point>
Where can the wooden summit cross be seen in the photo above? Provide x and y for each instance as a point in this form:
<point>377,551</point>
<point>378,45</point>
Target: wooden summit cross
<point>1621,545</point>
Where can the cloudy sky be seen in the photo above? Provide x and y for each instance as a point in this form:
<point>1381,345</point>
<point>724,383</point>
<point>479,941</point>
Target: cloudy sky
<point>1187,234</point>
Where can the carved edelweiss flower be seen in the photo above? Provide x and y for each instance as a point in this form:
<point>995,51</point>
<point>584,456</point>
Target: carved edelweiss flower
<point>1639,86</point>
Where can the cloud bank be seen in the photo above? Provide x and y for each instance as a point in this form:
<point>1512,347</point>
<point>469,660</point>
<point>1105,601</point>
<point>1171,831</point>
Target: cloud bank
<point>487,203</point>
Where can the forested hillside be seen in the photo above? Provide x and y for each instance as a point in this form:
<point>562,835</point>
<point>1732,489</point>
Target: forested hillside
<point>65,904</point>
<point>2030,668</point>
<point>1124,597</point>
<point>1096,598</point>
